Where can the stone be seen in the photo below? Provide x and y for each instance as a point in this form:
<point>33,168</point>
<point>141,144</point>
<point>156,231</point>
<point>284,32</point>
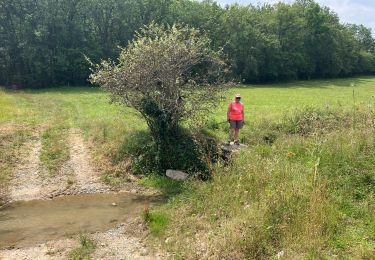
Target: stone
<point>144,252</point>
<point>177,175</point>
<point>114,204</point>
<point>280,254</point>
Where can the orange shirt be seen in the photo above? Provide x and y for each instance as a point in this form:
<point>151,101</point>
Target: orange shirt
<point>236,111</point>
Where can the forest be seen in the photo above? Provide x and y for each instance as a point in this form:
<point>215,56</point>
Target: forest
<point>47,42</point>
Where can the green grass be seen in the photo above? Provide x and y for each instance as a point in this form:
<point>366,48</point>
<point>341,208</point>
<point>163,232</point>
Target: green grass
<point>305,184</point>
<point>55,149</point>
<point>157,222</point>
<point>168,186</point>
<point>308,193</point>
<point>265,102</point>
<point>86,248</point>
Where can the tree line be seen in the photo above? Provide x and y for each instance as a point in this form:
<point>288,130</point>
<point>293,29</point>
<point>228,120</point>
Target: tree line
<point>46,42</point>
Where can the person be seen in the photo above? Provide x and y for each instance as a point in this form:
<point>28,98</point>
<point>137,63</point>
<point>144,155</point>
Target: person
<point>236,118</point>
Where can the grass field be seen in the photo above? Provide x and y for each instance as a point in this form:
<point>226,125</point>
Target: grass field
<point>272,101</point>
<point>304,188</point>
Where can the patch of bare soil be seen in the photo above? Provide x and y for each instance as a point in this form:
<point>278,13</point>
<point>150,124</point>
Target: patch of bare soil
<point>27,183</point>
<point>31,181</point>
<point>125,241</point>
<point>87,179</point>
<point>8,128</point>
<point>52,250</point>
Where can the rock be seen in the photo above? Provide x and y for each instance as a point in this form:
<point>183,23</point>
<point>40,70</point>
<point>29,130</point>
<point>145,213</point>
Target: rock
<point>114,204</point>
<point>177,175</point>
<point>280,254</point>
<point>144,252</point>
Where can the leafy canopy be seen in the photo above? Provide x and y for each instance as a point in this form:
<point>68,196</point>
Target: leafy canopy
<point>167,73</point>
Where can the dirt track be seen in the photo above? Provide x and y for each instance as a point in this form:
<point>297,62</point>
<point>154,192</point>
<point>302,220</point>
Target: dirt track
<point>78,176</point>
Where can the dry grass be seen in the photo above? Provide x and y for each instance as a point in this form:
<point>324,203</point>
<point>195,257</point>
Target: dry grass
<point>11,140</point>
<point>308,194</point>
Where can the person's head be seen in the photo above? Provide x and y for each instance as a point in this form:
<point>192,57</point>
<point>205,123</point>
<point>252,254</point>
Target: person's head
<point>237,98</point>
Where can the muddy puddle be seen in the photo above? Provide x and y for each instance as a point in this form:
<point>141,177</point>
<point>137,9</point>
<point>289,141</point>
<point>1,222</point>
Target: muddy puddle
<point>33,222</point>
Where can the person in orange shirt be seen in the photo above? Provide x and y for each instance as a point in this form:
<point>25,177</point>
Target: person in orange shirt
<point>236,118</point>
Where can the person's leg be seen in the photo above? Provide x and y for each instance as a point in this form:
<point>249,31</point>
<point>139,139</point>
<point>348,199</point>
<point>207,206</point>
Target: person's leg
<point>236,134</point>
<point>239,125</point>
<point>232,126</point>
<point>231,133</point>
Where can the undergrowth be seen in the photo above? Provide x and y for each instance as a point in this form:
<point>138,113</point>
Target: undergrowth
<point>304,188</point>
<point>190,151</point>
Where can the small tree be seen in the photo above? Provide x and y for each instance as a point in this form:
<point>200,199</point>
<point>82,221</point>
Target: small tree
<point>167,74</point>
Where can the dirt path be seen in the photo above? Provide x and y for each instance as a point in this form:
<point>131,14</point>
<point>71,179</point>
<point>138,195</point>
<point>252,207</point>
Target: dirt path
<point>126,241</point>
<point>87,179</point>
<point>77,176</point>
<point>27,182</point>
<point>52,250</point>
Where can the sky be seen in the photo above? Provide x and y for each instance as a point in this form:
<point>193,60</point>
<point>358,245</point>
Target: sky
<point>349,11</point>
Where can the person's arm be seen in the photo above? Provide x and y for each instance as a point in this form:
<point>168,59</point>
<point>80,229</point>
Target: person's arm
<point>228,114</point>
<point>243,113</point>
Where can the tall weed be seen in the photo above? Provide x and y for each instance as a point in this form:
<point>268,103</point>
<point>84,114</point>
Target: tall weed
<point>308,193</point>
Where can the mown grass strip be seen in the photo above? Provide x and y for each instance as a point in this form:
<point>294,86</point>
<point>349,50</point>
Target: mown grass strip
<point>55,149</point>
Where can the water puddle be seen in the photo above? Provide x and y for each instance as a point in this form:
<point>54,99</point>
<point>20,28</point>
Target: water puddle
<point>33,222</point>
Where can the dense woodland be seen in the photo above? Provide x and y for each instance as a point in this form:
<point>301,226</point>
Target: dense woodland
<point>44,42</point>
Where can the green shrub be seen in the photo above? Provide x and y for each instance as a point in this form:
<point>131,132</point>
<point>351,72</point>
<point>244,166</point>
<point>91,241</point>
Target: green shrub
<point>86,248</point>
<point>183,151</point>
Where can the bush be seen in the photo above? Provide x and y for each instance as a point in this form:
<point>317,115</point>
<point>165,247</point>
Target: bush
<point>168,74</point>
<point>183,151</point>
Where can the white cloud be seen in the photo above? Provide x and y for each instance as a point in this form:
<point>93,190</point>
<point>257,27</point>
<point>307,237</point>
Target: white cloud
<point>349,11</point>
<point>358,12</point>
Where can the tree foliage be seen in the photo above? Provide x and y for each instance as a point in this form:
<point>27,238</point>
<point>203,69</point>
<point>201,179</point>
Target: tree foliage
<point>44,42</point>
<point>169,75</point>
